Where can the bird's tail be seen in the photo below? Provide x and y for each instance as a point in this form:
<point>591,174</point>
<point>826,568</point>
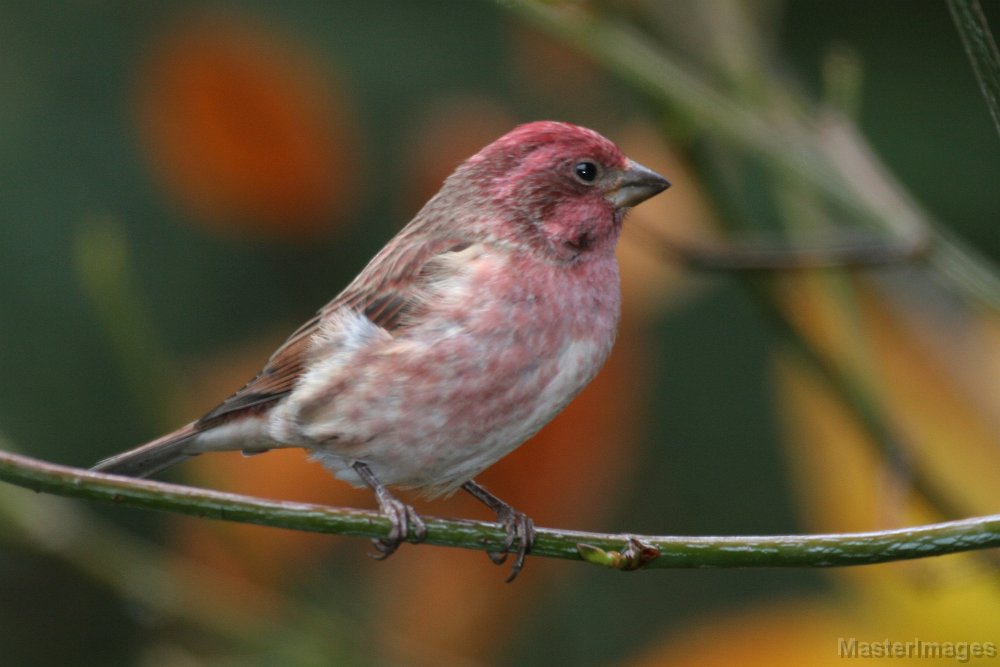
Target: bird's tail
<point>154,456</point>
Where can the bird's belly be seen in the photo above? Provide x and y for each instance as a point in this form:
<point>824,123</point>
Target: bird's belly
<point>434,406</point>
<point>437,428</point>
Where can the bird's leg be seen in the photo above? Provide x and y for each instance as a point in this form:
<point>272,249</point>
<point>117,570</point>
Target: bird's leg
<point>401,515</point>
<point>519,526</point>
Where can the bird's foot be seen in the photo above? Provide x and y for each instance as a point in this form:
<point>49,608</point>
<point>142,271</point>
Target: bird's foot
<point>402,517</point>
<point>519,526</point>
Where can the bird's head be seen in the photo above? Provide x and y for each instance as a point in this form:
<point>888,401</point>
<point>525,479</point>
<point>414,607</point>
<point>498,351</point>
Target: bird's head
<point>562,188</point>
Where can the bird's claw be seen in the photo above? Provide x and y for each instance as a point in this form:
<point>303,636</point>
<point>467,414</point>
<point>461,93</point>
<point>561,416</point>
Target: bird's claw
<point>403,519</point>
<point>521,531</point>
<point>401,516</point>
<point>497,557</point>
<point>519,526</point>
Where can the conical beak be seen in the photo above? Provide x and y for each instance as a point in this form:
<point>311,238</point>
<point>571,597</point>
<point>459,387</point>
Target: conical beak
<point>635,185</point>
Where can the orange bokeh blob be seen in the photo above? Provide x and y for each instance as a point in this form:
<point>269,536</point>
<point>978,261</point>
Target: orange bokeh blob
<point>245,129</point>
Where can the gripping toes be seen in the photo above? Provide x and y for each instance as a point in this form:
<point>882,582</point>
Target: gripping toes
<point>519,526</point>
<point>403,519</point>
<point>520,530</point>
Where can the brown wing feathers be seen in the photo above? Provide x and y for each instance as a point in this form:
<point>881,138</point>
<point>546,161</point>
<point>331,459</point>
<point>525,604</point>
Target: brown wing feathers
<point>386,302</point>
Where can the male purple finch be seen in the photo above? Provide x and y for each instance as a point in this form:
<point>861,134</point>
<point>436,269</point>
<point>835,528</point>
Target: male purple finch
<point>468,332</point>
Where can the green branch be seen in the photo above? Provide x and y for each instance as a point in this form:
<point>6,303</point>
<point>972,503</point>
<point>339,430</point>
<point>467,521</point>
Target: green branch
<point>620,551</point>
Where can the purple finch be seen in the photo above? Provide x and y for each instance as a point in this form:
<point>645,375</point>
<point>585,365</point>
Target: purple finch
<point>467,333</point>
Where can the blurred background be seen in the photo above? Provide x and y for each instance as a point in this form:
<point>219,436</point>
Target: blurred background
<point>182,184</point>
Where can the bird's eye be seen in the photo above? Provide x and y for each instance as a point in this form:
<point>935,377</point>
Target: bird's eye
<point>586,171</point>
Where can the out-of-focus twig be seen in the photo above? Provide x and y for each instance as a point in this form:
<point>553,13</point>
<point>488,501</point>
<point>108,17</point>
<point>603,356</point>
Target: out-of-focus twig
<point>807,147</point>
<point>166,586</point>
<point>821,148</point>
<point>982,50</point>
<point>107,277</point>
<point>759,256</point>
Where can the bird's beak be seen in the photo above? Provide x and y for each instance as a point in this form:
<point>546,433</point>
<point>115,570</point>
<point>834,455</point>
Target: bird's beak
<point>635,185</point>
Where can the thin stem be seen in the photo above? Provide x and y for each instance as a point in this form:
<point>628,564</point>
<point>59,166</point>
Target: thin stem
<point>982,50</point>
<point>737,256</point>
<point>661,552</point>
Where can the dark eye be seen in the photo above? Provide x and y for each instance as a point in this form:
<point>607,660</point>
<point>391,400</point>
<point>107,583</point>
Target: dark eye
<point>585,171</point>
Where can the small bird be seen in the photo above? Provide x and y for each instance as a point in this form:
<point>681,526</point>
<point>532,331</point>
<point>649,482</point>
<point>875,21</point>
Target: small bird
<point>469,331</point>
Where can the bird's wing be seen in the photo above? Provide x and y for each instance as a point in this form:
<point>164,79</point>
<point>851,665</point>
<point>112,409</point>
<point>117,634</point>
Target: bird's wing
<point>387,290</point>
